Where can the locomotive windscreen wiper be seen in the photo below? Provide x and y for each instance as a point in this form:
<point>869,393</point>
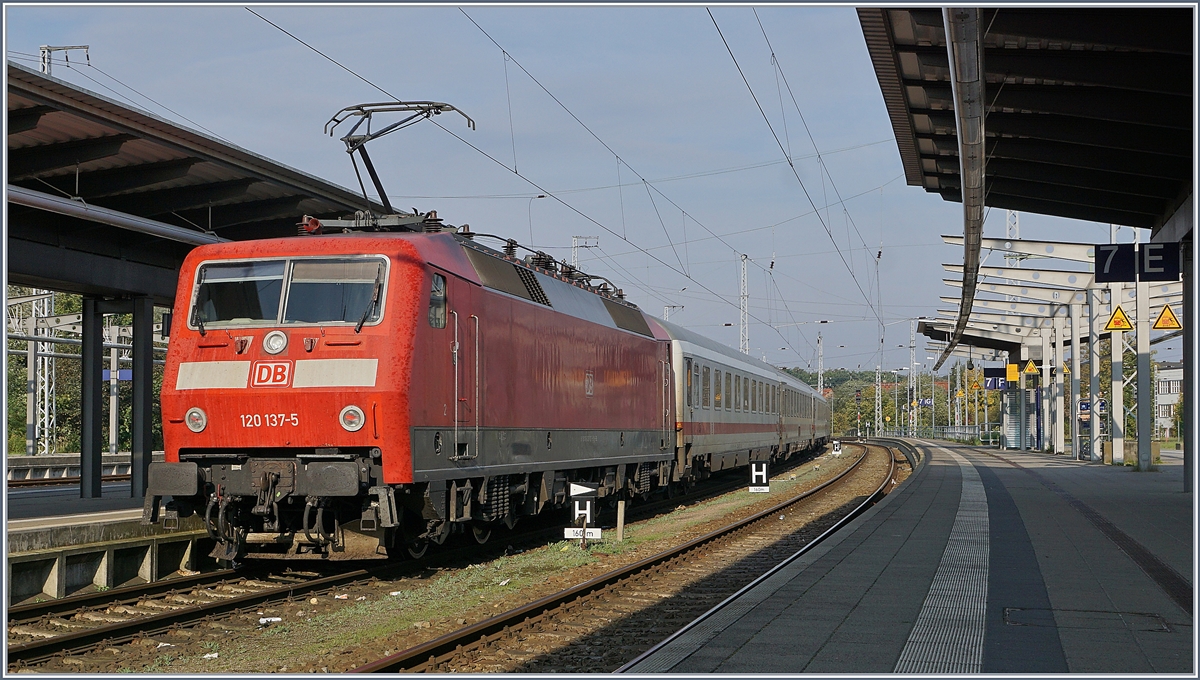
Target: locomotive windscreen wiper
<point>374,301</point>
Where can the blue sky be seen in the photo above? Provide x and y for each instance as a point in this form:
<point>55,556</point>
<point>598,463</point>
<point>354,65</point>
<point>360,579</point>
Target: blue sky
<point>656,85</point>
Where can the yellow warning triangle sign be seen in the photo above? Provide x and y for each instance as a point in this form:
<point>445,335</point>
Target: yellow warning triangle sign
<point>1118,321</point>
<point>960,394</point>
<point>1167,321</point>
<point>974,385</point>
<point>1066,370</point>
<point>1030,368</point>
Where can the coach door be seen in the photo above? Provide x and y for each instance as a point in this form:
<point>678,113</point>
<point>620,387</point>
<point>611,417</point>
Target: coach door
<point>666,397</point>
<point>779,402</point>
<point>465,355</point>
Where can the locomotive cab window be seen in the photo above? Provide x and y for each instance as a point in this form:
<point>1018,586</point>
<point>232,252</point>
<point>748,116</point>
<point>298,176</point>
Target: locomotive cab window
<point>289,291</point>
<point>437,302</point>
<point>238,293</point>
<point>332,291</point>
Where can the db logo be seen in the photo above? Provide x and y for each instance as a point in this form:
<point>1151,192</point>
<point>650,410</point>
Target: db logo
<point>271,374</point>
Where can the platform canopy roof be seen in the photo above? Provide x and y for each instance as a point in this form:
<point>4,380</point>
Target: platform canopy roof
<point>65,142</point>
<point>1088,111</point>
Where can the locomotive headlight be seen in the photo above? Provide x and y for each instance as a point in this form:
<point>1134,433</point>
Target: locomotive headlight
<point>196,419</point>
<point>352,418</point>
<point>275,342</point>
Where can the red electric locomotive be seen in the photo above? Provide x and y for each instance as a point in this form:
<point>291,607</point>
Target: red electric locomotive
<point>369,392</point>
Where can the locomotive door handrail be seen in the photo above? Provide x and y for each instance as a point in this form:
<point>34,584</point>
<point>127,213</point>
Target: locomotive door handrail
<point>478,410</point>
<point>454,360</point>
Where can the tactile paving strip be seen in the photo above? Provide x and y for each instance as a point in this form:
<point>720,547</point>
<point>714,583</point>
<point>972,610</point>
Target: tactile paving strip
<point>948,634</point>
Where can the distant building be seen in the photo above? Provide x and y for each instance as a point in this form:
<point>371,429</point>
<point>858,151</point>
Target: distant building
<point>1167,392</point>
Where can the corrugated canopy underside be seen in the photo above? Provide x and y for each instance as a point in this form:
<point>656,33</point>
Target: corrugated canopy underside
<point>1089,110</point>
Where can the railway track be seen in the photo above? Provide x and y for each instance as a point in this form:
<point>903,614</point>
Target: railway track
<point>601,624</point>
<point>66,628</point>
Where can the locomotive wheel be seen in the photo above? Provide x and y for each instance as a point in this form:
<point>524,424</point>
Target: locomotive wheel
<point>481,532</point>
<point>416,549</point>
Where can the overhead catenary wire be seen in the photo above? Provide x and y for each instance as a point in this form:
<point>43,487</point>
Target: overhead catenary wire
<point>804,122</point>
<point>661,180</point>
<point>500,163</point>
<point>792,165</point>
<point>616,155</point>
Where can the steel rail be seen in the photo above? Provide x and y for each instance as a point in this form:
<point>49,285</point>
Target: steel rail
<point>150,625</point>
<point>35,610</point>
<point>448,644</point>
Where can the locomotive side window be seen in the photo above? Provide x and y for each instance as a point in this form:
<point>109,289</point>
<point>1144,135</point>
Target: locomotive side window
<point>239,293</point>
<point>324,291</point>
<point>437,302</point>
<point>730,396</point>
<point>717,391</point>
<point>707,387</point>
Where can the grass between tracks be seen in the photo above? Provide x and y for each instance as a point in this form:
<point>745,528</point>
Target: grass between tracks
<point>394,615</point>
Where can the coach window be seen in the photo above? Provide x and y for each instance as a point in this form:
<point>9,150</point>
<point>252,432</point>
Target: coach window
<point>696,383</point>
<point>437,302</point>
<point>687,369</point>
<point>707,387</point>
<point>737,393</point>
<point>717,390</point>
<point>753,396</point>
<point>729,394</point>
<point>745,394</point>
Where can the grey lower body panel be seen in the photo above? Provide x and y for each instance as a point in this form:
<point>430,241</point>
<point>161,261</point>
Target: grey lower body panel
<point>510,451</point>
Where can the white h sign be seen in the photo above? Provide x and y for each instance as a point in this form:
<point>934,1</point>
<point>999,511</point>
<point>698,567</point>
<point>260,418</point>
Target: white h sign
<point>760,482</point>
<point>583,509</point>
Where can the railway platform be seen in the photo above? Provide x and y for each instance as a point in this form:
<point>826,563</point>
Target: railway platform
<point>982,561</point>
<point>59,544</point>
